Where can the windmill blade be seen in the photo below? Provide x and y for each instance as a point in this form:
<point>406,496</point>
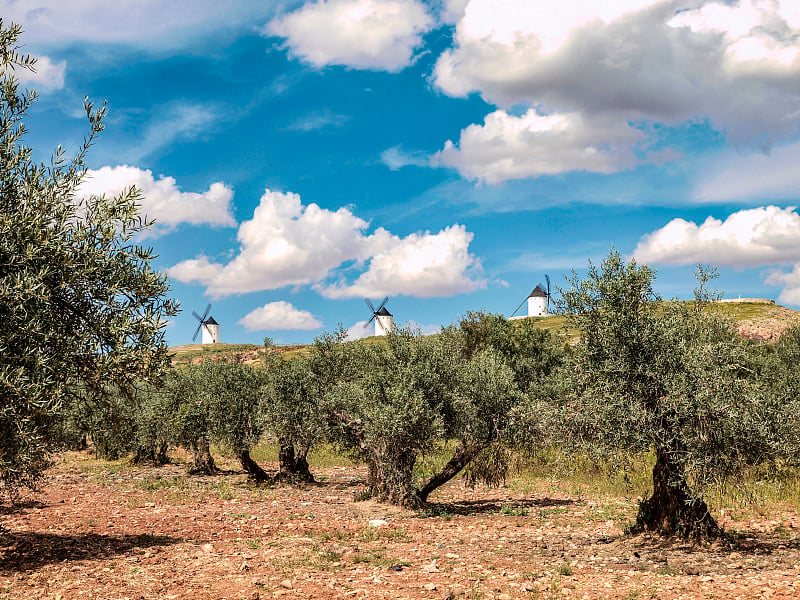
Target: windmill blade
<point>547,279</point>
<point>383,302</point>
<point>371,319</point>
<point>198,317</point>
<point>197,331</point>
<point>369,303</point>
<point>205,314</point>
<point>520,306</point>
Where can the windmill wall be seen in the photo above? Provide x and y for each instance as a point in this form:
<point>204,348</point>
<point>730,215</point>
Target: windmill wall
<point>537,306</point>
<point>210,334</point>
<point>383,324</point>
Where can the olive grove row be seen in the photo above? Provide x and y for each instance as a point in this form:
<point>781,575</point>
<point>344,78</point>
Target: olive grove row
<point>641,375</point>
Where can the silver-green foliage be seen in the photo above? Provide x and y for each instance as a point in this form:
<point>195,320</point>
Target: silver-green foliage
<point>292,409</point>
<point>79,299</point>
<point>666,376</point>
<point>388,408</point>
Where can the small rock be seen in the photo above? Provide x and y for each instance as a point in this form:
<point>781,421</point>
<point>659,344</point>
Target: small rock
<point>431,587</point>
<point>287,583</point>
<point>396,568</point>
<point>207,548</point>
<point>433,568</point>
<point>450,596</point>
<point>377,523</point>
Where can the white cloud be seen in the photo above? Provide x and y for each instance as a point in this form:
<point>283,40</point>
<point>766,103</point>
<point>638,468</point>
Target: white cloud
<point>422,265</point>
<point>397,157</point>
<point>510,147</point>
<point>162,199</point>
<point>359,331</point>
<point>747,238</point>
<point>666,60</point>
<point>364,34</point>
<point>790,282</point>
<point>46,76</point>
<point>176,121</point>
<point>279,315</point>
<point>451,11</point>
<point>287,243</point>
<point>755,176</point>
<point>148,24</point>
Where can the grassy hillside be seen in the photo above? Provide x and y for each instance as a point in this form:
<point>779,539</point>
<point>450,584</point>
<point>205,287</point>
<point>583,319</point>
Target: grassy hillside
<point>757,320</point>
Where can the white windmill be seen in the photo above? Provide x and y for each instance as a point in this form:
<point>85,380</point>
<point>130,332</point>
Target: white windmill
<point>538,300</point>
<point>384,321</point>
<point>209,326</point>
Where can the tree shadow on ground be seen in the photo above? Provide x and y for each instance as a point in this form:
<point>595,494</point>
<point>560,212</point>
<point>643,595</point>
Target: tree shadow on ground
<point>32,550</point>
<point>474,507</point>
<point>19,507</point>
<point>745,544</point>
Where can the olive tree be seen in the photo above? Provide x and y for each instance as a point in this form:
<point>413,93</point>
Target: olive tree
<point>670,377</point>
<point>388,408</point>
<point>231,391</point>
<point>500,363</point>
<point>190,418</point>
<point>80,301</point>
<point>293,406</point>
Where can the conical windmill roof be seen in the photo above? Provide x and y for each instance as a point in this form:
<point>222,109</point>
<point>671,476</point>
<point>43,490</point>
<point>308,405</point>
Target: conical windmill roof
<point>383,312</point>
<point>538,292</point>
<point>210,321</point>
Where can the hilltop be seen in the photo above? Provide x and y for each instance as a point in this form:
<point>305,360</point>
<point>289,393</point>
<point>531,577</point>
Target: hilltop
<point>757,319</point>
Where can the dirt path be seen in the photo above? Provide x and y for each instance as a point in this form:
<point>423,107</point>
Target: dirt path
<point>108,532</point>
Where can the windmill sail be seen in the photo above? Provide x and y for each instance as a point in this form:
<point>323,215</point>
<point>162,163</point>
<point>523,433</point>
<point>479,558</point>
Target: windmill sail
<point>202,323</point>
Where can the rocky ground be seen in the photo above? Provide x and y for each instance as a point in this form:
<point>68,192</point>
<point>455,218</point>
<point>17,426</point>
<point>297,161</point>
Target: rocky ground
<point>108,531</point>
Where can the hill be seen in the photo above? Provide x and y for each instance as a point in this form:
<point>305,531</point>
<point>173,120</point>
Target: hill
<point>757,319</point>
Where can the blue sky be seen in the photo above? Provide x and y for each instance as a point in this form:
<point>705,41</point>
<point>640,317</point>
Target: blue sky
<point>300,156</point>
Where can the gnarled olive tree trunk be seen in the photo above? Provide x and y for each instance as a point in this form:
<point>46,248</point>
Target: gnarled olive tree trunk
<point>390,479</point>
<point>292,465</point>
<point>672,510</point>
<point>202,461</point>
<point>462,456</point>
<point>251,467</point>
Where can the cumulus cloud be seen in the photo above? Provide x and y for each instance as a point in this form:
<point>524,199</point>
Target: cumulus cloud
<point>279,315</point>
<point>513,147</point>
<point>162,199</point>
<point>422,265</point>
<point>754,176</point>
<point>287,243</point>
<point>666,60</point>
<point>359,330</point>
<point>363,34</point>
<point>46,76</point>
<point>790,282</point>
<point>747,238</point>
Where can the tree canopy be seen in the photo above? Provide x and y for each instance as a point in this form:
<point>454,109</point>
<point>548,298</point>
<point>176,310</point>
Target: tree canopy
<point>671,377</point>
<point>80,302</point>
